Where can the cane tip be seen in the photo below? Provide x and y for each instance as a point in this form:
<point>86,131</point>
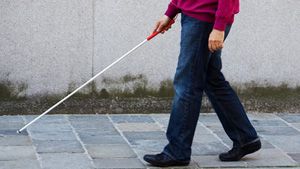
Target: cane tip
<point>18,131</point>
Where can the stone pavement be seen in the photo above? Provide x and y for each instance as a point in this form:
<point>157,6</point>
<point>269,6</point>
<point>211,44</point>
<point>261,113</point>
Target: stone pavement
<point>120,141</point>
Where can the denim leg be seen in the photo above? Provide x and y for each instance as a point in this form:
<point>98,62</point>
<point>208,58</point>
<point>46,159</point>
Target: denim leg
<point>189,83</point>
<point>227,104</point>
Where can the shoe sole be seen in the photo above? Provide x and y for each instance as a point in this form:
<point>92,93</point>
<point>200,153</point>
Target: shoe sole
<point>168,165</point>
<point>156,164</point>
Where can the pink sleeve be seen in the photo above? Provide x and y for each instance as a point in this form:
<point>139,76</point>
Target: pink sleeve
<point>225,13</point>
<point>172,10</point>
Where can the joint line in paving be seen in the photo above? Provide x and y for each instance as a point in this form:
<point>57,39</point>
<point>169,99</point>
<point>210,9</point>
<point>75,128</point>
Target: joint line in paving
<point>215,135</point>
<point>39,159</point>
<point>287,123</point>
<point>161,126</point>
<point>80,141</point>
<point>285,153</point>
<point>122,135</point>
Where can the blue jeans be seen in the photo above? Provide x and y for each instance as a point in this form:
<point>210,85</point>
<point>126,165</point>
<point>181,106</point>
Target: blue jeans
<point>199,71</point>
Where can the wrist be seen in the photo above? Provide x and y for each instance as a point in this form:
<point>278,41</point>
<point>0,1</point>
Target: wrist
<point>218,31</point>
<point>167,18</point>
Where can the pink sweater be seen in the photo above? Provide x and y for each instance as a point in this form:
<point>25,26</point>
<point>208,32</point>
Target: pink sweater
<point>219,12</point>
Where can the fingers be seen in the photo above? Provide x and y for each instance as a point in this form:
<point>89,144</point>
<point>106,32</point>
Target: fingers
<point>162,25</point>
<point>159,27</point>
<point>214,45</point>
<point>168,28</point>
<point>162,28</point>
<point>165,29</point>
<point>216,40</point>
<point>210,46</point>
<point>156,27</point>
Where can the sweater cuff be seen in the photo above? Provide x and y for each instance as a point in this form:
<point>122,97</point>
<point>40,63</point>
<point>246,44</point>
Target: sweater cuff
<point>172,11</point>
<point>220,24</point>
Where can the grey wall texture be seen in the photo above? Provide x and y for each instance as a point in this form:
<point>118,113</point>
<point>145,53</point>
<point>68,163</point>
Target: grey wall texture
<point>54,45</point>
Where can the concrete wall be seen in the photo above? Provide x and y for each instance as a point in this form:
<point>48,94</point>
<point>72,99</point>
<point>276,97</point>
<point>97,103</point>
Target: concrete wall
<point>54,45</point>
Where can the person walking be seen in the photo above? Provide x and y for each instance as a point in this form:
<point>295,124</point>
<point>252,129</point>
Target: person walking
<point>205,25</point>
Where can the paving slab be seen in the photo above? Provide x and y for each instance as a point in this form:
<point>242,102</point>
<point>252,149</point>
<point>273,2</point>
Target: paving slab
<point>290,118</point>
<point>162,120</point>
<point>131,119</point>
<point>12,140</point>
<point>100,125</point>
<point>214,127</point>
<point>11,119</point>
<point>210,148</point>
<point>295,157</point>
<point>262,116</point>
<point>266,144</point>
<point>52,135</point>
<point>65,161</point>
<point>204,138</point>
<point>212,161</point>
<point>11,125</point>
<point>268,158</point>
<point>151,145</point>
<point>10,153</point>
<point>290,144</point>
<point>132,137</point>
<point>138,127</point>
<point>91,118</point>
<point>46,119</point>
<point>20,164</point>
<point>100,122</point>
<point>110,131</point>
<point>101,139</point>
<point>12,132</point>
<point>58,146</point>
<point>296,125</point>
<point>225,139</point>
<point>201,129</point>
<point>278,131</point>
<point>50,126</point>
<point>267,122</point>
<point>208,118</point>
<point>110,151</point>
<point>129,163</point>
<point>145,135</point>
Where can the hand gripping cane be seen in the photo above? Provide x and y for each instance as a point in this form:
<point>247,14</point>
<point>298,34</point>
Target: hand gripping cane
<point>93,78</point>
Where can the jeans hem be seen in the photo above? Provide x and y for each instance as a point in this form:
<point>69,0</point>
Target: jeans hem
<point>172,157</point>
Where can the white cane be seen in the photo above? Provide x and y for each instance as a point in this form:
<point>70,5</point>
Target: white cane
<point>94,77</point>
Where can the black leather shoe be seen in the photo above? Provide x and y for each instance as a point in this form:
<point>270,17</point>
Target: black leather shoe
<point>236,153</point>
<point>163,160</point>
